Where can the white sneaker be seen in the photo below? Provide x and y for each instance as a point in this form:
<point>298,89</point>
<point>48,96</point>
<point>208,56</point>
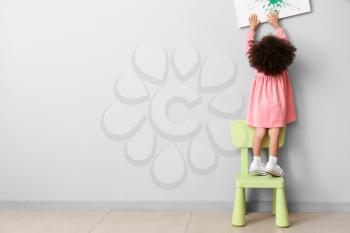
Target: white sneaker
<point>257,168</point>
<point>274,169</point>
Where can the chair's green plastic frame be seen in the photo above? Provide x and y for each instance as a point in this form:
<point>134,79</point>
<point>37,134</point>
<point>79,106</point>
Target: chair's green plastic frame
<point>242,137</point>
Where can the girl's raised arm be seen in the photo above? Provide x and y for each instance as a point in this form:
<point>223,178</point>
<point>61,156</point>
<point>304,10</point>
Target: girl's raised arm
<point>281,34</point>
<point>250,39</point>
<point>253,24</point>
<point>272,18</point>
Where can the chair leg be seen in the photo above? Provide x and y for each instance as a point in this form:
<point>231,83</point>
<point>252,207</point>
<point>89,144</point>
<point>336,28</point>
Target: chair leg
<point>281,209</point>
<point>238,215</point>
<point>274,201</point>
<point>245,202</point>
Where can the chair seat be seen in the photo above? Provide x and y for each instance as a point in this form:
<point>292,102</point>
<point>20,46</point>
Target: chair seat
<point>251,181</point>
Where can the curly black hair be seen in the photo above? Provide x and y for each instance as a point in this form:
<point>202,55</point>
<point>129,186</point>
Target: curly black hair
<point>271,55</point>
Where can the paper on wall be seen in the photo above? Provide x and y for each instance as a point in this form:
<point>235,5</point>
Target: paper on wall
<point>284,8</point>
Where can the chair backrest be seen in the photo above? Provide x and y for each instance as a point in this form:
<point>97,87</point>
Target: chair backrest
<point>242,137</point>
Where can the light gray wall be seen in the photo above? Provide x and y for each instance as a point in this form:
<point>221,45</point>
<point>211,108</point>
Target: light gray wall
<point>59,62</point>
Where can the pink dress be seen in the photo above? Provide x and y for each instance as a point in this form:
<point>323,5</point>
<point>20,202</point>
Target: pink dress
<point>271,102</point>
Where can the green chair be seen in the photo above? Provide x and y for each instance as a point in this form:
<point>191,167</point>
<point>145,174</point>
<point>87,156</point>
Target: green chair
<point>242,137</point>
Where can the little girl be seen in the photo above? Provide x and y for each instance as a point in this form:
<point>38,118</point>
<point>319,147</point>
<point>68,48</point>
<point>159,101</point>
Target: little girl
<point>271,103</point>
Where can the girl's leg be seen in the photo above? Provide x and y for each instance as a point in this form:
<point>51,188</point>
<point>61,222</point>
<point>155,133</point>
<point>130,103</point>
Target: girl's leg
<point>257,167</point>
<point>271,166</point>
<point>274,134</point>
<point>257,140</point>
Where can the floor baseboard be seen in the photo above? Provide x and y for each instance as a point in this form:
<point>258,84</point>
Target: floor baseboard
<point>260,206</point>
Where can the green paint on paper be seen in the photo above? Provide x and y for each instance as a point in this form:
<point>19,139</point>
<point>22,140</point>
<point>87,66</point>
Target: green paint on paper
<point>276,5</point>
<point>272,5</point>
<point>275,1</point>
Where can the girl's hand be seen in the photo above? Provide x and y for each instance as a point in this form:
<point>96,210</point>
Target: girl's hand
<point>272,18</point>
<point>253,22</point>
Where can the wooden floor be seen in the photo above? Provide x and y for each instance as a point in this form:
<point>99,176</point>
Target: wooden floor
<point>40,221</point>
